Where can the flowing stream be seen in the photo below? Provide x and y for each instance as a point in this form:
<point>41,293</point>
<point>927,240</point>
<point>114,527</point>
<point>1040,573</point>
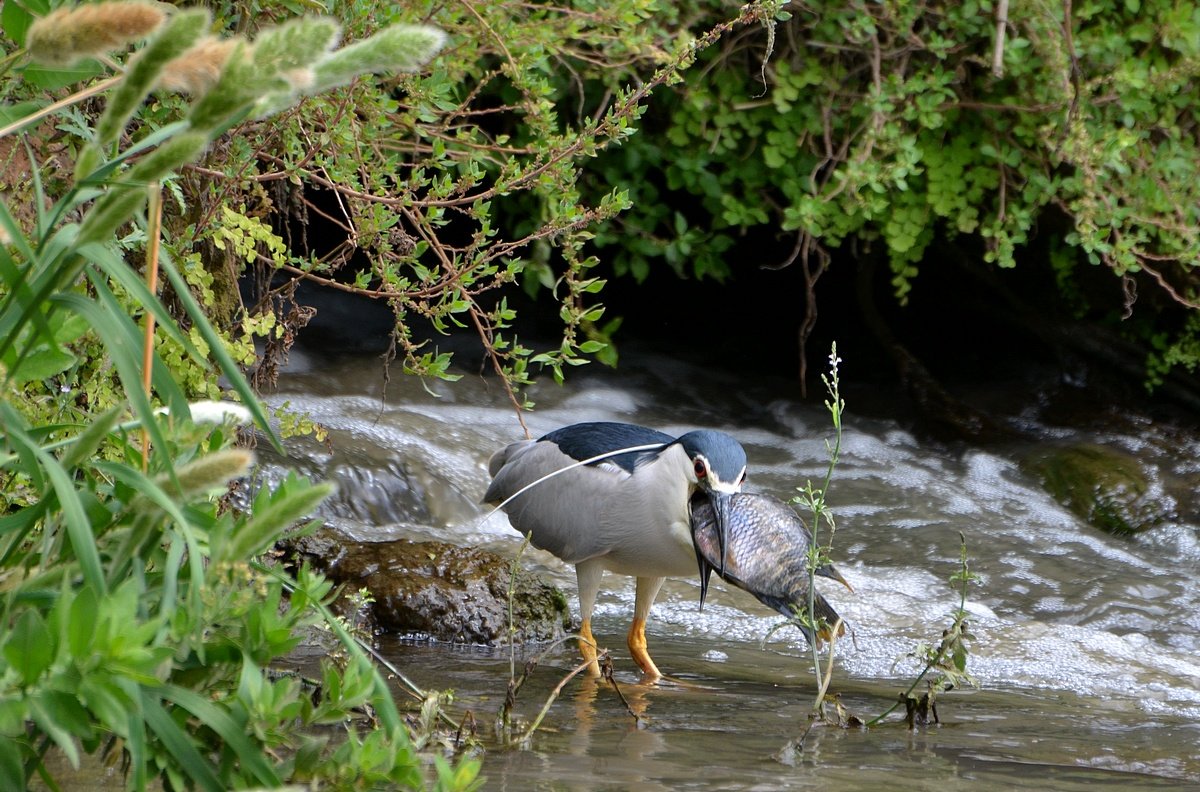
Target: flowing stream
<point>1085,645</point>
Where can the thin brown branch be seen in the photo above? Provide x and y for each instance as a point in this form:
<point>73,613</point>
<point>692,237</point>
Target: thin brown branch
<point>154,235</point>
<point>1168,288</point>
<point>487,338</point>
<point>998,48</point>
<point>67,101</point>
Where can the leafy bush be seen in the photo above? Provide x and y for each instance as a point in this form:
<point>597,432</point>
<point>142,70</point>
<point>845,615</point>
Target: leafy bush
<point>896,123</point>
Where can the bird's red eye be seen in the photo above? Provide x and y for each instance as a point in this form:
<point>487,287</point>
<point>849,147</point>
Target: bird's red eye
<point>742,480</point>
<point>701,471</point>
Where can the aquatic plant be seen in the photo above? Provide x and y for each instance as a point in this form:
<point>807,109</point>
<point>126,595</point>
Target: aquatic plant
<point>945,664</point>
<point>820,551</point>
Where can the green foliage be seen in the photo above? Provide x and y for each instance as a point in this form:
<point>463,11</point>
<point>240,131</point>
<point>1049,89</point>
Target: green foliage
<point>887,123</point>
<point>449,185</point>
<point>134,620</point>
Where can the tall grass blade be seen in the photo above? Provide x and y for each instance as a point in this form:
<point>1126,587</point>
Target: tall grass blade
<point>108,262</point>
<point>125,353</point>
<point>165,386</point>
<point>148,489</point>
<point>84,446</point>
<point>79,528</point>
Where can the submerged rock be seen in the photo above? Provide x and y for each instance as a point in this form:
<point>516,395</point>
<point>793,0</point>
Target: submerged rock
<point>1106,487</point>
<point>438,590</point>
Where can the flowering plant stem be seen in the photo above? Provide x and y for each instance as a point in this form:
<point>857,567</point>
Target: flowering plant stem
<point>818,554</point>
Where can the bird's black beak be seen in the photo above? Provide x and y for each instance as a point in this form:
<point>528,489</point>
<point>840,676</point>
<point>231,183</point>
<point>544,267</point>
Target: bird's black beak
<point>705,573</point>
<point>722,503</point>
<point>721,506</point>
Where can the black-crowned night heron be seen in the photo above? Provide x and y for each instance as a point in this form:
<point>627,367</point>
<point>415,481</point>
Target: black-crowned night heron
<point>627,513</point>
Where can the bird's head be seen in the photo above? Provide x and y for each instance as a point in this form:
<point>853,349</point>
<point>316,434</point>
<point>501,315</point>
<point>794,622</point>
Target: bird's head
<point>718,470</point>
<point>718,462</point>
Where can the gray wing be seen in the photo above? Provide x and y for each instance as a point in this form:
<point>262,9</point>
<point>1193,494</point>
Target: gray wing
<point>564,514</point>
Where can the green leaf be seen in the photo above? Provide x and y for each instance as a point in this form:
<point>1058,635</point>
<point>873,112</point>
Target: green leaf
<point>234,734</point>
<point>67,712</point>
<point>135,742</point>
<point>51,78</point>
<point>107,702</point>
<point>40,364</point>
<point>48,721</point>
<point>84,446</point>
<point>16,21</point>
<point>12,771</point>
<point>10,114</point>
<point>79,528</point>
<point>82,618</point>
<point>30,647</point>
<point>180,745</point>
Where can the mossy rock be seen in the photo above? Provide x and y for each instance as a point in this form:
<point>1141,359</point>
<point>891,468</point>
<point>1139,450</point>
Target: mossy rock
<point>1106,487</point>
<point>440,591</point>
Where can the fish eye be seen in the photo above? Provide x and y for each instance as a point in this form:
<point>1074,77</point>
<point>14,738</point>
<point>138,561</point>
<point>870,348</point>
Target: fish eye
<point>699,467</point>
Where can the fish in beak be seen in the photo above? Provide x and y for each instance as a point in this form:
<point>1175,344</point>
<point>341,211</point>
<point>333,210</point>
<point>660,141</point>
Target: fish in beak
<point>761,545</point>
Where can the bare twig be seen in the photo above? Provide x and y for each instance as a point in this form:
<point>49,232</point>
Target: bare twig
<point>1001,29</point>
<point>606,671</point>
<point>66,101</point>
<point>554,695</point>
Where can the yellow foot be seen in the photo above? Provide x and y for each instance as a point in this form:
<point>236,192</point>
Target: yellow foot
<point>637,649</point>
<point>587,647</point>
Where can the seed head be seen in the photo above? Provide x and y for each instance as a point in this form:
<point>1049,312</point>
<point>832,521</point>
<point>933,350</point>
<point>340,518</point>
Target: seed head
<point>69,35</point>
<point>197,70</point>
<point>209,472</point>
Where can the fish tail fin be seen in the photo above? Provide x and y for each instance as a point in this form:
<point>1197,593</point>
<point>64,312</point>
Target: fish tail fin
<point>824,617</point>
<point>827,619</point>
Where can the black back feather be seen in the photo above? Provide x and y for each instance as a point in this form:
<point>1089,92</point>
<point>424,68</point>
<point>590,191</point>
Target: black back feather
<point>585,440</point>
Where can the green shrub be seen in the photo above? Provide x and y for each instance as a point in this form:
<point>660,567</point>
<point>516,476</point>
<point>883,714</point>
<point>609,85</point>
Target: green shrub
<point>133,616</point>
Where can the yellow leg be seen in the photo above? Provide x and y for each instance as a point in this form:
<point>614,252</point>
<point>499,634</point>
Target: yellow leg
<point>637,649</point>
<point>587,647</point>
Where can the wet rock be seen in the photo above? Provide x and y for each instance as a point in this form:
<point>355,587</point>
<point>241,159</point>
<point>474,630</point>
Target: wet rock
<point>438,590</point>
<point>1104,486</point>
